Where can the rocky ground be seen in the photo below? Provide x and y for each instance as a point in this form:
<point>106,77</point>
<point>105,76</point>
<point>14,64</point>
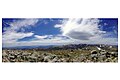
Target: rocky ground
<point>59,56</point>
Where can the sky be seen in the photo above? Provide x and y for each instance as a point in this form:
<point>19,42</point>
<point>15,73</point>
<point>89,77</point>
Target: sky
<point>58,31</point>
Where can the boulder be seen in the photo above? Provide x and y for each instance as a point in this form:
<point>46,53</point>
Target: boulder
<point>93,52</point>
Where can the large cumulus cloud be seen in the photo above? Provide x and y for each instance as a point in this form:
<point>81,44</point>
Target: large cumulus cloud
<point>81,29</point>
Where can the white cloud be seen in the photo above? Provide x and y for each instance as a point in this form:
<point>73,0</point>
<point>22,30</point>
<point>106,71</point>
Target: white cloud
<point>51,37</point>
<point>82,29</point>
<point>21,24</point>
<point>56,40</point>
<point>85,31</point>
<point>24,22</point>
<point>14,36</point>
<point>11,33</point>
<point>41,37</point>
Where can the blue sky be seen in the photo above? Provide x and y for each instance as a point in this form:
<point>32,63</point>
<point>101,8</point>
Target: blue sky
<point>58,31</point>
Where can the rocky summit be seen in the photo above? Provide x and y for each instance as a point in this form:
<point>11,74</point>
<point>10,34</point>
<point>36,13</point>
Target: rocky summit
<point>58,54</point>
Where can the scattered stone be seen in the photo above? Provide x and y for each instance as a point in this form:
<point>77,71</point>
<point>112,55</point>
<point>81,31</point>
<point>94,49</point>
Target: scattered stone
<point>36,56</point>
<point>93,52</point>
